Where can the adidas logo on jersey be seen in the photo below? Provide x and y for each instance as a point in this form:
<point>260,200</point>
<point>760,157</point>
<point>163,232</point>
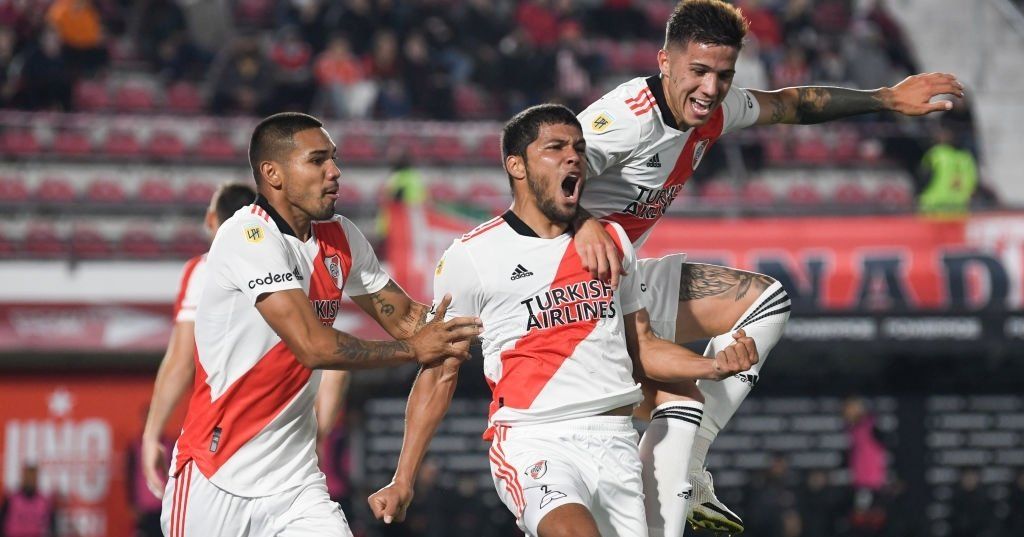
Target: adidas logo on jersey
<point>654,162</point>
<point>520,272</point>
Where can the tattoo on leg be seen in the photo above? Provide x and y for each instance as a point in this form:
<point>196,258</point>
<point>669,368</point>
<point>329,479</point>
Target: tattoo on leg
<point>698,281</point>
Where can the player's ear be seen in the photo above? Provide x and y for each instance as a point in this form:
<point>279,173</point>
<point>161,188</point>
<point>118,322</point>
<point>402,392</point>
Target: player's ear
<point>271,174</point>
<point>515,166</point>
<point>663,63</point>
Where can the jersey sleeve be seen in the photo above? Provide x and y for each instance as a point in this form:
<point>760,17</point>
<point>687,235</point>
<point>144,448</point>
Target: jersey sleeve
<point>193,278</point>
<point>456,274</point>
<point>611,135</point>
<point>366,275</point>
<point>740,109</point>
<point>630,291</point>
<point>250,258</point>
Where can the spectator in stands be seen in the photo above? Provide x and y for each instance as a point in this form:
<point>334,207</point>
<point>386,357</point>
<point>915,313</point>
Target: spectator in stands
<point>385,66</point>
<point>164,40</point>
<point>772,508</point>
<point>867,457</point>
<point>819,505</point>
<point>575,68</point>
<point>972,509</point>
<point>427,83</point>
<point>38,76</point>
<point>8,83</point>
<point>1014,524</point>
<point>867,63</point>
<point>892,36</point>
<point>28,512</point>
<point>240,78</point>
<point>83,43</point>
<point>949,176</point>
<point>291,59</point>
<point>792,70</point>
<point>344,89</point>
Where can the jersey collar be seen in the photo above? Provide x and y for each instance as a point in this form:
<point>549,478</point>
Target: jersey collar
<point>518,225</point>
<point>262,203</point>
<point>654,83</point>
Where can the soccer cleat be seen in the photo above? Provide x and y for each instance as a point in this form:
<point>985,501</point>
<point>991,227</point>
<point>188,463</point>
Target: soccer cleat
<point>706,512</point>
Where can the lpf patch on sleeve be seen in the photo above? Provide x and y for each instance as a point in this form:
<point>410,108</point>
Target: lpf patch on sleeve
<point>254,234</point>
<point>601,123</point>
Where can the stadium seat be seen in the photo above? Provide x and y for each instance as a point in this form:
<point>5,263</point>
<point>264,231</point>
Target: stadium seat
<point>803,194</point>
<point>105,191</point>
<point>357,148</point>
<point>133,98</point>
<point>894,195</point>
<point>471,103</point>
<point>757,194</point>
<point>443,193</point>
<point>198,193</point>
<point>20,143</point>
<point>811,151</point>
<point>55,189</point>
<point>139,244</point>
<point>43,241</point>
<point>13,190</point>
<point>8,246</point>
<point>189,242</point>
<point>121,144</point>
<point>165,145</point>
<point>719,193</point>
<point>846,146</point>
<point>91,96</point>
<point>775,150</point>
<point>445,149</point>
<point>489,150</point>
<point>71,144</point>
<point>88,243</point>
<point>488,196</point>
<point>850,194</point>
<point>348,195</point>
<point>216,146</point>
<point>184,98</point>
<point>156,191</point>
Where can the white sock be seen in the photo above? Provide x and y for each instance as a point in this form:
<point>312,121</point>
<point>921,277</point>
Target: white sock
<point>665,452</point>
<point>764,321</point>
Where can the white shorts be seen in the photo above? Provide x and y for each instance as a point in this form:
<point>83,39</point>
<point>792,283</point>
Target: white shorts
<point>590,461</point>
<point>660,281</point>
<point>194,507</point>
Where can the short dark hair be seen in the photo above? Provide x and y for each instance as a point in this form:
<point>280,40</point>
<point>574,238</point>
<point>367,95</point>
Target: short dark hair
<point>230,197</point>
<point>276,134</point>
<point>708,22</point>
<point>523,128</point>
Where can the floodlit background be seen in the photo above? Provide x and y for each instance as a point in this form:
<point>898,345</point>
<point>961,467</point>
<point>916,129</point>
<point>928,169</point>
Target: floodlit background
<point>119,118</point>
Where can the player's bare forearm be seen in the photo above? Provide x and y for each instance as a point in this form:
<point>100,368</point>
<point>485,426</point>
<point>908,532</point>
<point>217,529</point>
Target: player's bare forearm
<point>808,105</point>
<point>330,399</point>
<point>351,352</point>
<point>582,215</point>
<point>176,373</point>
<point>429,400</point>
<point>394,310</point>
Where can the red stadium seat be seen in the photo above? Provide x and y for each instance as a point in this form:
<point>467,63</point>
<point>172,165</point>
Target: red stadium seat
<point>488,196</point>
<point>847,146</point>
<point>812,151</point>
<point>801,194</point>
<point>719,193</point>
<point>43,241</point>
<point>443,193</point>
<point>165,145</point>
<point>471,103</point>
<point>139,244</point>
<point>446,149</point>
<point>894,195</point>
<point>88,243</point>
<point>91,96</point>
<point>757,194</point>
<point>156,191</point>
<point>134,98</point>
<point>189,242</point>
<point>357,148</point>
<point>13,190</point>
<point>184,98</point>
<point>198,193</point>
<point>105,191</point>
<point>216,146</point>
<point>55,190</point>
<point>850,194</point>
<point>121,144</point>
<point>775,150</point>
<point>20,143</point>
<point>71,143</point>
<point>8,246</point>
<point>489,150</point>
<point>348,195</point>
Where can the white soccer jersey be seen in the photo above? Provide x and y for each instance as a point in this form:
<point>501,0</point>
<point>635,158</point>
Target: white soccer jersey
<point>637,157</point>
<point>193,277</point>
<point>553,341</point>
<point>250,426</point>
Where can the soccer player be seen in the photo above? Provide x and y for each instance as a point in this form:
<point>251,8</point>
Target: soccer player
<point>561,350</point>
<point>177,369</point>
<point>644,140</point>
<point>245,462</point>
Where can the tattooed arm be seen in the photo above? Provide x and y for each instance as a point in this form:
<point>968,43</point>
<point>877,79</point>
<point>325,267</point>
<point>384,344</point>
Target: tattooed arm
<point>818,104</point>
<point>317,346</point>
<point>393,310</point>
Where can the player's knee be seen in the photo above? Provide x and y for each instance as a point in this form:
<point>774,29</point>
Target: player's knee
<point>570,520</point>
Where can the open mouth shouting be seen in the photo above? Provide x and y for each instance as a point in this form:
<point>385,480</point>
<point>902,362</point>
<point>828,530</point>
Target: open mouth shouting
<point>701,107</point>
<point>571,185</point>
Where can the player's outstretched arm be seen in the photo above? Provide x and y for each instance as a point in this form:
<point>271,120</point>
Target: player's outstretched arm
<point>428,401</point>
<point>596,248</point>
<point>664,361</point>
<point>817,104</point>
<point>394,310</point>
<point>176,373</point>
<point>316,346</point>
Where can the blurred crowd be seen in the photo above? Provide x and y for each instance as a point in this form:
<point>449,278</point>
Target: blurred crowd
<point>435,59</point>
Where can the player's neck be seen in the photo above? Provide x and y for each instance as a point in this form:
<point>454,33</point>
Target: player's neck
<point>297,220</point>
<point>674,108</point>
<point>543,226</point>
